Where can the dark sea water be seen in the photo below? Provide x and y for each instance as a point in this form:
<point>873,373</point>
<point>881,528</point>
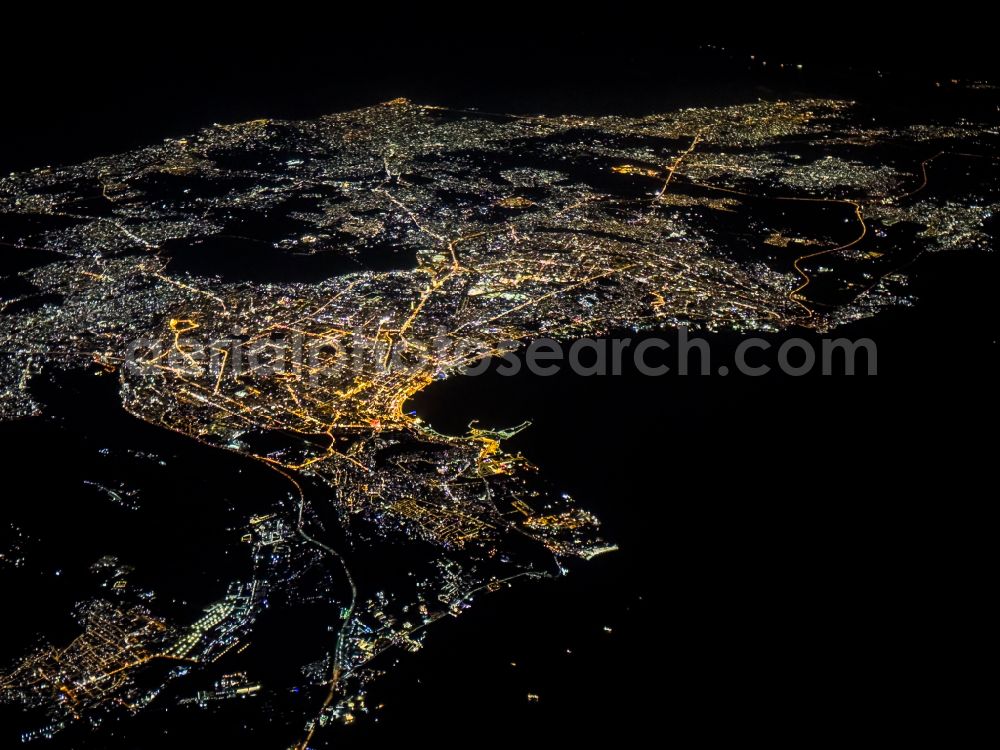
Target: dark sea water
<point>779,536</point>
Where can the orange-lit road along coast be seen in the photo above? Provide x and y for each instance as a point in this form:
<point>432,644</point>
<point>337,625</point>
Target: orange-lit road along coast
<point>280,290</point>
